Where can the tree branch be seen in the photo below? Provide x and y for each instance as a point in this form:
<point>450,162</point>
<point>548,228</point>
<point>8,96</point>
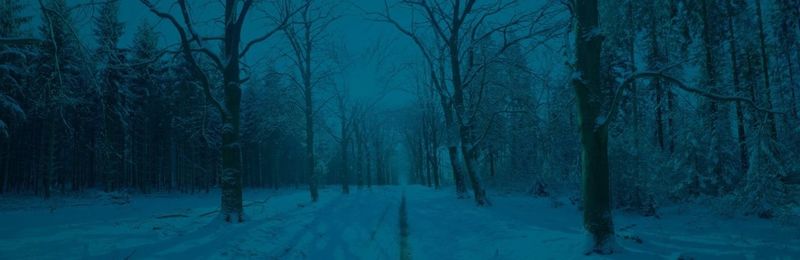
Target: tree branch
<point>613,111</point>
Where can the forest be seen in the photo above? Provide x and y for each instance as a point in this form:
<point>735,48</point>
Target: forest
<point>376,129</point>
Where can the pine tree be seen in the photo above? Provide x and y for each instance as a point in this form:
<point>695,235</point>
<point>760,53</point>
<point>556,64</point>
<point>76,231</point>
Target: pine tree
<point>147,101</point>
<point>786,23</point>
<point>113,92</point>
<point>15,73</point>
<point>13,68</point>
<point>60,74</point>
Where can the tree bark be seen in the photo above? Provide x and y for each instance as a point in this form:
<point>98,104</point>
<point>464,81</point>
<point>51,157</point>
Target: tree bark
<point>310,163</point>
<point>594,156</point>
<point>464,129</point>
<point>231,181</point>
<point>452,150</point>
<point>740,128</point>
<point>345,163</point>
<point>773,130</point>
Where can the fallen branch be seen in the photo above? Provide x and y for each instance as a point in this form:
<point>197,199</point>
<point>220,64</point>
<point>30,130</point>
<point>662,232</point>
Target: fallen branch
<point>172,216</point>
<point>208,213</point>
<point>245,205</point>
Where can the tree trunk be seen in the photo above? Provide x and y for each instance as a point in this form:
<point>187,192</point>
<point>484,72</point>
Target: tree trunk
<point>310,163</point>
<point>452,150</point>
<point>6,161</point>
<point>792,85</point>
<point>743,153</point>
<point>590,98</point>
<point>773,130</point>
<point>345,164</point>
<point>47,181</point>
<point>655,52</point>
<point>231,181</point>
<point>459,110</point>
<point>368,168</point>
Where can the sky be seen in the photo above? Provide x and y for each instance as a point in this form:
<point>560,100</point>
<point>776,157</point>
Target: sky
<point>363,76</point>
<point>374,51</point>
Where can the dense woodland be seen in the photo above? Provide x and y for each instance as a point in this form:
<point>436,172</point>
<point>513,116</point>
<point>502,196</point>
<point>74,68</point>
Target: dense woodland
<point>637,104</point>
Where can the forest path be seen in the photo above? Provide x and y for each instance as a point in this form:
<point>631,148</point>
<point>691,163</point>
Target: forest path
<point>279,225</point>
<point>366,224</point>
<point>354,226</point>
<point>524,227</point>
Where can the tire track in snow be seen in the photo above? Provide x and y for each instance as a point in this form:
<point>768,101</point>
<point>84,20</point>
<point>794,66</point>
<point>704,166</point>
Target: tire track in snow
<point>405,248</point>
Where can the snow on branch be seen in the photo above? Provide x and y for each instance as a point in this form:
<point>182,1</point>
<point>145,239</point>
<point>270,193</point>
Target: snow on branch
<point>677,83</point>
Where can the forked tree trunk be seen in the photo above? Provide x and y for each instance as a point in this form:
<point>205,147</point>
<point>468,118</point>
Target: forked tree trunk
<point>462,123</point>
<point>452,150</point>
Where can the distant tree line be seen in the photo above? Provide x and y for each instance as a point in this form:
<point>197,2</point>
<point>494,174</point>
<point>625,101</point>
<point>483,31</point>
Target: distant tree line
<point>81,114</point>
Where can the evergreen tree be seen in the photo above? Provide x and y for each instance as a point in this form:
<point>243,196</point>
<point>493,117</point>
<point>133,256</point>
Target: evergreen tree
<point>114,138</point>
<point>60,76</point>
<point>14,71</point>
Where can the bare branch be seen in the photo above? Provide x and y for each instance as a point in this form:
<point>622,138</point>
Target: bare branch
<point>20,41</point>
<point>613,110</point>
<point>197,71</point>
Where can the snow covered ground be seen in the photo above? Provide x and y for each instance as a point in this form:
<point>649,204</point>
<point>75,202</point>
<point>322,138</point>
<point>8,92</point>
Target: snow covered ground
<point>365,225</point>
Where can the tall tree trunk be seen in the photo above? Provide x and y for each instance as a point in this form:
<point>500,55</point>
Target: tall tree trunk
<point>461,120</point>
<point>452,149</point>
<point>47,181</point>
<point>740,127</point>
<point>589,92</point>
<point>345,163</point>
<point>655,52</point>
<point>310,163</point>
<point>773,129</point>
<point>368,168</point>
<point>792,85</point>
<point>6,167</point>
<point>231,181</point>
<point>714,121</point>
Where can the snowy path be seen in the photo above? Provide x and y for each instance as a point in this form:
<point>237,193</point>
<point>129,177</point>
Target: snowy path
<point>520,227</point>
<point>364,225</point>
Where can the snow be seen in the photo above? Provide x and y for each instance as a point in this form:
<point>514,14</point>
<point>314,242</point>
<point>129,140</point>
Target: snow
<point>599,121</point>
<point>364,225</point>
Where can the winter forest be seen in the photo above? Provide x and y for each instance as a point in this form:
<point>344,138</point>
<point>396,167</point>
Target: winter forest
<point>410,129</point>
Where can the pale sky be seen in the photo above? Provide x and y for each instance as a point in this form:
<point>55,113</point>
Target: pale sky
<point>373,50</point>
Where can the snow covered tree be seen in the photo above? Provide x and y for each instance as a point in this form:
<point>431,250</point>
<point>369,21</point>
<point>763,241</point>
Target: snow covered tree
<point>305,34</point>
<point>60,75</point>
<point>592,96</point>
<point>14,71</point>
<point>114,142</point>
<point>227,63</point>
<point>454,33</point>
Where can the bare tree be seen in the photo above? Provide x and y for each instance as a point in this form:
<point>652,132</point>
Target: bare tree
<point>455,29</point>
<point>227,62</point>
<point>345,115</point>
<point>305,34</point>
